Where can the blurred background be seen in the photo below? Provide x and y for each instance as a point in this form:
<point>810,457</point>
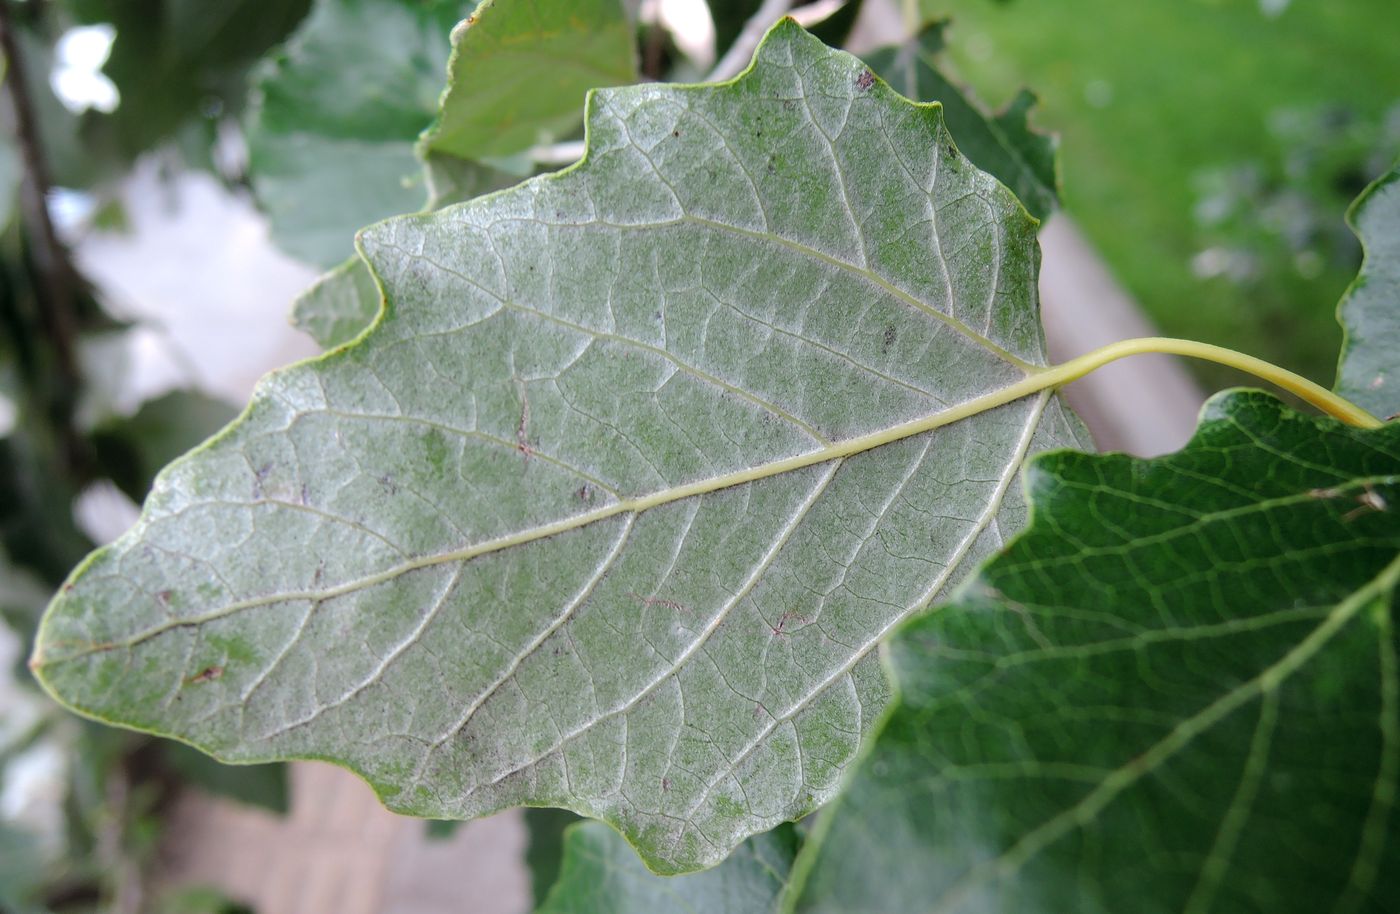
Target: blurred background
<point>174,174</point>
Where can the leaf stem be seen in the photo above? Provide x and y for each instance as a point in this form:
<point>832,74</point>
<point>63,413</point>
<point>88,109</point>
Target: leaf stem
<point>1315,394</point>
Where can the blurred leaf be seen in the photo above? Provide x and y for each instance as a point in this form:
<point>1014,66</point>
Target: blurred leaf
<point>265,786</point>
<point>133,449</point>
<point>619,486</point>
<point>441,829</point>
<point>538,60</point>
<point>453,180</point>
<point>1177,690</point>
<point>174,60</point>
<point>544,848</point>
<point>21,872</point>
<point>1369,372</point>
<point>1003,144</point>
<point>10,174</point>
<point>331,138</point>
<point>602,875</point>
<point>199,900</point>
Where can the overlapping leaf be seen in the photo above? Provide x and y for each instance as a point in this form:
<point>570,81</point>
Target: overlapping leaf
<point>1003,145</point>
<point>602,875</point>
<point>1369,374</point>
<point>340,304</point>
<point>519,72</point>
<point>612,506</point>
<point>332,134</point>
<point>1178,690</point>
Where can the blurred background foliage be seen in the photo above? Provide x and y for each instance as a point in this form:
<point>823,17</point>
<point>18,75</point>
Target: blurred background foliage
<point>1209,148</point>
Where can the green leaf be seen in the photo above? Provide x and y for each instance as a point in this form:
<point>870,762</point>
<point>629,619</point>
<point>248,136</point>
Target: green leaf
<point>602,875</point>
<point>331,134</point>
<point>519,72</point>
<point>339,306</point>
<point>1178,690</point>
<point>452,180</point>
<point>612,505</point>
<point>544,849</point>
<point>1003,145</point>
<point>1369,372</point>
<point>175,60</point>
<point>344,301</point>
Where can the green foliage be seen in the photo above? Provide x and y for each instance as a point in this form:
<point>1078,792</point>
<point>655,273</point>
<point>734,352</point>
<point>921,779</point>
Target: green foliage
<point>1177,690</point>
<point>601,875</point>
<point>544,849</point>
<point>538,59</point>
<point>336,115</point>
<point>1148,97</point>
<point>638,465</point>
<point>174,61</point>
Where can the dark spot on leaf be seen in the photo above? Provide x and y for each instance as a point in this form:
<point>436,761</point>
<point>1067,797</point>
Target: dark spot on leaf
<point>865,80</point>
<point>888,339</point>
<point>952,151</point>
<point>208,674</point>
<point>675,133</point>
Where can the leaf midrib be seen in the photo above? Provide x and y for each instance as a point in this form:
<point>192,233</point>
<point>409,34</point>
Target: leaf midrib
<point>851,446</point>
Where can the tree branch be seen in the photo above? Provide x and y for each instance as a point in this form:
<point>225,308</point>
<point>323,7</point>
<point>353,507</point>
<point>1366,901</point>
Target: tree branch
<point>57,313</point>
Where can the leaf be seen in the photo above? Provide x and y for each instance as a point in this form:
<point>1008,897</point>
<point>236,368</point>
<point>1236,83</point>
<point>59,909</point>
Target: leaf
<point>1368,374</point>
<point>519,72</point>
<point>339,306</point>
<point>612,505</point>
<point>331,134</point>
<point>452,180</point>
<point>602,875</point>
<point>1003,145</point>
<point>544,848</point>
<point>175,60</point>
<point>1178,690</point>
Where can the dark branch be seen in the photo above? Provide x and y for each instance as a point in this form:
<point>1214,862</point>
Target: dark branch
<point>49,255</point>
